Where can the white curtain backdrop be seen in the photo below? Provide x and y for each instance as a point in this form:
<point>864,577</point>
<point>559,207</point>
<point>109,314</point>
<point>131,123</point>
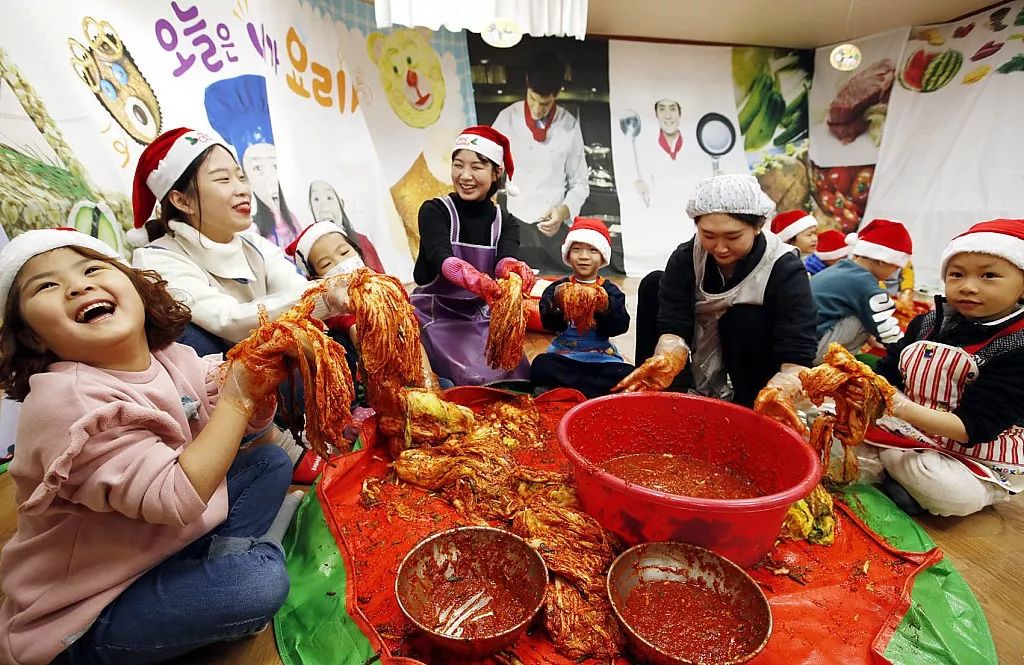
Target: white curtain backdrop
<point>540,18</point>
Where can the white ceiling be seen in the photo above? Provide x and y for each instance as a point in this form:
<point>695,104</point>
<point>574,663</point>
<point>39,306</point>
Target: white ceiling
<point>793,23</point>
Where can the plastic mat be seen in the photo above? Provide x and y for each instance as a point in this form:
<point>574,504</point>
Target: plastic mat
<point>845,612</point>
<point>944,625</point>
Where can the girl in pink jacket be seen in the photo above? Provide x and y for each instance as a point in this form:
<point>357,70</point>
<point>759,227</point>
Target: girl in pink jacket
<point>143,530</point>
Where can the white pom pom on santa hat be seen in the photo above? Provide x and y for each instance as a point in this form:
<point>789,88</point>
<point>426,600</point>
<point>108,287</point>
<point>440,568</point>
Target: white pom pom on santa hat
<point>137,237</point>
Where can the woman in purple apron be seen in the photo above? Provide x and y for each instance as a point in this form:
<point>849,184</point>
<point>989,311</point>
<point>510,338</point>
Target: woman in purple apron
<point>465,242</point>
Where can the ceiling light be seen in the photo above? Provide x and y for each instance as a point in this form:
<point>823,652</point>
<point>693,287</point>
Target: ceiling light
<point>845,57</point>
<point>502,33</point>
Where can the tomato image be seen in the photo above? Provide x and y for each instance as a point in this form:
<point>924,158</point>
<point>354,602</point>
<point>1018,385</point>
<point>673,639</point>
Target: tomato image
<point>861,185</point>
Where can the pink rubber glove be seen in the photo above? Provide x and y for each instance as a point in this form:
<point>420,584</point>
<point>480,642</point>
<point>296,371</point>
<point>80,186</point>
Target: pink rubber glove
<point>509,265</point>
<point>461,273</point>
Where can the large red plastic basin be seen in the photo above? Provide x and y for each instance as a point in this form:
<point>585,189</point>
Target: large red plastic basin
<point>742,530</point>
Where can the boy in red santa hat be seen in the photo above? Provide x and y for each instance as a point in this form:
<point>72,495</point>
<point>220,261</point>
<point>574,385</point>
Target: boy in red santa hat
<point>798,228</point>
<point>586,361</point>
<point>832,248</point>
<point>958,445</point>
<point>851,304</point>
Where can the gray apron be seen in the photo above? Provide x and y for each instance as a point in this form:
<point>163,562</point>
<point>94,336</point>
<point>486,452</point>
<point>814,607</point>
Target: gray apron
<point>709,373</point>
<point>454,322</point>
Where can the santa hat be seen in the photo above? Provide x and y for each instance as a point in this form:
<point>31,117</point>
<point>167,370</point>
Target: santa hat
<point>589,231</point>
<point>999,237</point>
<point>303,244</point>
<point>730,193</point>
<point>160,165</point>
<point>883,240</point>
<point>30,244</point>
<point>832,245</point>
<point>788,225</point>
<point>493,145</point>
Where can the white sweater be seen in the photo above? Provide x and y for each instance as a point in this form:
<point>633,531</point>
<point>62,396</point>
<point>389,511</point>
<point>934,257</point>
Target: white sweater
<point>224,283</point>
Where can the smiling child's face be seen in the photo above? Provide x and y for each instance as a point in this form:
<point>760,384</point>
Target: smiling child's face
<point>81,309</point>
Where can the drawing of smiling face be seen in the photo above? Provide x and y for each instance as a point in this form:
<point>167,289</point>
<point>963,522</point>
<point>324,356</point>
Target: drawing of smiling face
<point>410,73</point>
<point>106,66</point>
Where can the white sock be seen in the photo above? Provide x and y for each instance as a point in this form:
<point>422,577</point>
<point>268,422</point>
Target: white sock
<point>284,516</point>
<point>287,443</point>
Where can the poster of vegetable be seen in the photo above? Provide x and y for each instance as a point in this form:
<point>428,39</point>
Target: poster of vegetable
<point>848,109</point>
<point>771,88</point>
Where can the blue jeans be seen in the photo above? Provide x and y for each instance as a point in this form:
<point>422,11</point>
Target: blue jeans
<point>225,585</point>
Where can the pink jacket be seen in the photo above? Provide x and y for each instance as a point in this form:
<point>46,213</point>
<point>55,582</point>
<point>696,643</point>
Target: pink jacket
<point>101,497</point>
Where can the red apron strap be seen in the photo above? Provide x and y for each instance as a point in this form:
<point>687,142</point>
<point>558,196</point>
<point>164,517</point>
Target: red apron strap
<point>1008,330</point>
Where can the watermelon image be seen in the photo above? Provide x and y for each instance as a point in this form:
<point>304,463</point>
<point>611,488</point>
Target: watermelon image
<point>926,71</point>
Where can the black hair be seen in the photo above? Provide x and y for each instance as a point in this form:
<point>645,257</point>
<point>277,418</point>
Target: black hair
<point>186,184</point>
<point>264,218</point>
<point>757,221</point>
<point>545,74</point>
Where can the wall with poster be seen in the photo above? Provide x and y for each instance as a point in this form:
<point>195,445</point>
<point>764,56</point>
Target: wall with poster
<point>87,85</point>
<point>847,121</point>
<point>416,95</point>
<point>952,150</point>
<point>770,86</point>
<point>659,96</point>
<point>572,162</point>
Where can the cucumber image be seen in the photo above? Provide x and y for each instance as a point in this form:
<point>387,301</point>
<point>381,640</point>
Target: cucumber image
<point>98,221</point>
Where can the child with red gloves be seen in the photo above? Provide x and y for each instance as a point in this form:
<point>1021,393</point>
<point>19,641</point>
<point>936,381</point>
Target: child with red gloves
<point>466,241</point>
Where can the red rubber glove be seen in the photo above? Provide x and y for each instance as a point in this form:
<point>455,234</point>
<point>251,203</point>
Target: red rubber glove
<point>509,265</point>
<point>461,273</point>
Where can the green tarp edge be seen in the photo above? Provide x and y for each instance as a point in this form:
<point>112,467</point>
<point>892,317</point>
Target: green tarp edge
<point>313,627</point>
<point>945,625</point>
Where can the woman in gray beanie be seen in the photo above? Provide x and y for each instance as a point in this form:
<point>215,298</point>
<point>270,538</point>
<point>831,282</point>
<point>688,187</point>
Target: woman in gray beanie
<point>733,303</point>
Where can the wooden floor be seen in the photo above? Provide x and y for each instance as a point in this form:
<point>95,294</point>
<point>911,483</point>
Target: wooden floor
<point>987,548</point>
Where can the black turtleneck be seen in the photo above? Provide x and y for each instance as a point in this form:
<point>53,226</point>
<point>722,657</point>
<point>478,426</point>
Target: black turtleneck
<point>475,219</point>
<point>992,402</point>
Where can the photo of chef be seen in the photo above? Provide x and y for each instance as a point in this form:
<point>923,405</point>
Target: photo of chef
<point>550,97</point>
<point>237,110</point>
<point>659,161</point>
<point>660,94</point>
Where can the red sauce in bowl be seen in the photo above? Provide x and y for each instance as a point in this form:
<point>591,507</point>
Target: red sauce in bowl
<point>690,621</point>
<point>684,476</point>
<point>471,596</point>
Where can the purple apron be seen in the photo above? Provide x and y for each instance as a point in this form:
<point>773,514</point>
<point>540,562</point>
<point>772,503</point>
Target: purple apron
<point>454,322</point>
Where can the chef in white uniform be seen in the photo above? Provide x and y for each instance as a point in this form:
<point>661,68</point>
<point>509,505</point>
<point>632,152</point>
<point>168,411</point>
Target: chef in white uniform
<point>668,167</point>
<point>551,168</point>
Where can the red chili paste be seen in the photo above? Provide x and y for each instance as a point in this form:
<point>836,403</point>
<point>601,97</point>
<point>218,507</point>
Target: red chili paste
<point>684,476</point>
<point>688,620</point>
<point>473,596</point>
